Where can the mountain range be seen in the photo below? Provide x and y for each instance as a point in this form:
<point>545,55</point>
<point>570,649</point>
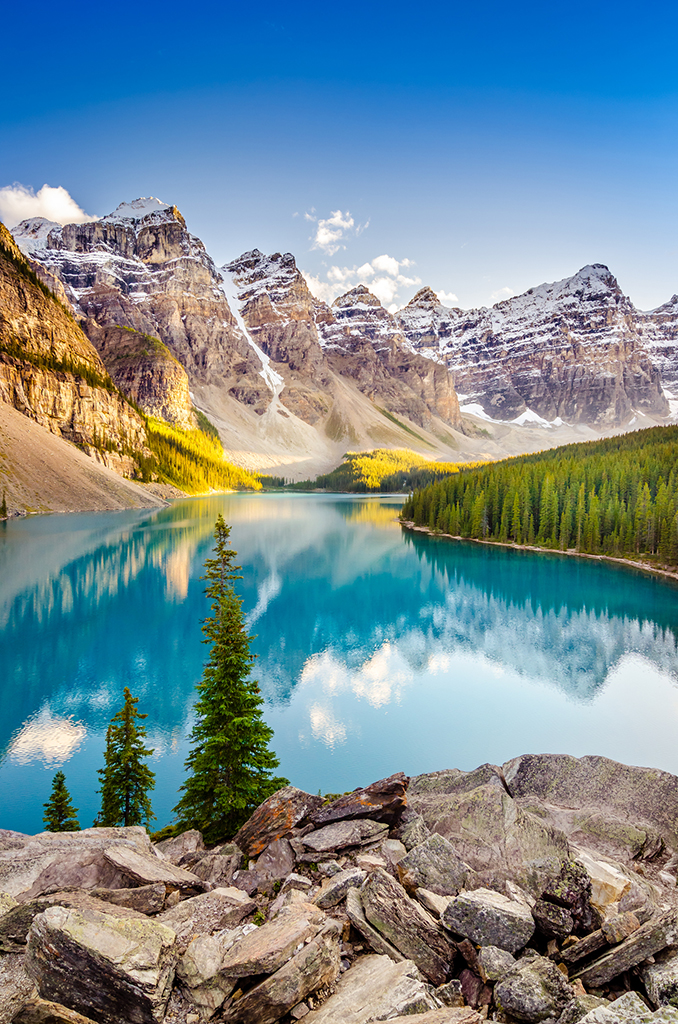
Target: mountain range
<point>291,382</point>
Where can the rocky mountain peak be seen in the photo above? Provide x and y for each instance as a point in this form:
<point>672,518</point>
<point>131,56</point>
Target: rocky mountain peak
<point>360,295</point>
<point>425,298</point>
<point>32,234</point>
<point>138,209</point>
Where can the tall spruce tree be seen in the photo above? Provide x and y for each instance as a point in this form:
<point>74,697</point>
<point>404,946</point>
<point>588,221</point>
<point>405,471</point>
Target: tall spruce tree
<point>230,764</point>
<point>60,814</point>
<point>125,779</point>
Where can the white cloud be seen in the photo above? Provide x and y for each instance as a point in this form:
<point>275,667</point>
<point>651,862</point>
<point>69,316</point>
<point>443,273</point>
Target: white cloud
<point>501,294</point>
<point>382,275</point>
<point>448,298</point>
<point>331,232</point>
<point>17,203</point>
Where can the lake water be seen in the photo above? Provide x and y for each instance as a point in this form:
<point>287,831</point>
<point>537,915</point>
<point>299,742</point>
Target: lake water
<point>378,650</point>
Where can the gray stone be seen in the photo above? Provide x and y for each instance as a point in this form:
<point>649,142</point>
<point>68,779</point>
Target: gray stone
<point>6,902</point>
<point>490,919</point>
<point>265,950</point>
<point>579,1007</point>
<point>661,978</point>
<point>294,881</point>
<point>219,867</point>
<point>198,971</point>
<point>407,926</point>
<point>183,850</point>
<point>412,829</point>
<point>375,988</point>
<point>628,1008</point>
<point>551,920</point>
<point>209,912</point>
<point>493,962</point>
<point>584,947</point>
<point>150,869</point>
<point>495,836</point>
<point>316,964</point>
<point>16,923</point>
<point>344,834</point>
<point>277,860</point>
<point>446,1015</point>
<point>431,901</point>
<point>375,940</point>
<point>107,968</point>
<point>393,851</point>
<point>450,994</point>
<point>649,939</point>
<point>147,899</point>
<point>24,858</point>
<point>329,868</point>
<point>433,865</point>
<point>533,990</point>
<point>337,886</point>
<point>15,985</point>
<point>619,927</point>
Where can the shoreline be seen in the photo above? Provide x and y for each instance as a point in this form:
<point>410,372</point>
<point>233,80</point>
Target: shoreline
<point>571,552</point>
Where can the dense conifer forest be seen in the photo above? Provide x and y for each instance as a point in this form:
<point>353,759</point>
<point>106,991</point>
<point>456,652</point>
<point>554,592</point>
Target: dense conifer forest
<point>617,496</point>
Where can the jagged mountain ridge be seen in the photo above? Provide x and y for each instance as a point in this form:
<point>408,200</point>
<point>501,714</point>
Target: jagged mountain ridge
<point>574,350</point>
<point>290,380</point>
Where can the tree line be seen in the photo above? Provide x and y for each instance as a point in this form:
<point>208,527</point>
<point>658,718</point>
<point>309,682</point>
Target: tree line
<point>230,765</point>
<point>617,496</point>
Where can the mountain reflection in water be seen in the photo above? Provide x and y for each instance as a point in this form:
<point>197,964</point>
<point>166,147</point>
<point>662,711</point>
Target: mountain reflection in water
<point>378,649</point>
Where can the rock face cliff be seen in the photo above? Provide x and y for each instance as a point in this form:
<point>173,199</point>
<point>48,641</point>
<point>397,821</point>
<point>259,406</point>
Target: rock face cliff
<point>574,350</point>
<point>50,372</point>
<point>660,335</point>
<point>355,339</point>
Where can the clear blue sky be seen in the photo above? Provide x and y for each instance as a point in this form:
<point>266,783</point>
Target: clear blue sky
<point>487,147</point>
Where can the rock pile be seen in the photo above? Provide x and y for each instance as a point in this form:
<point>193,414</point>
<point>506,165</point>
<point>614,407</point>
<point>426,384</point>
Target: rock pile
<point>540,891</point>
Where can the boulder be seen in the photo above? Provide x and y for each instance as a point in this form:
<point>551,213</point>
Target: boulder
<point>608,882</point>
<point>578,1007</point>
<point>446,1015</point>
<point>450,993</point>
<point>335,888</point>
<point>43,1011</point>
<point>490,832</point>
<point>571,890</point>
<point>15,985</point>
<point>184,850</point>
<point>393,851</point>
<point>619,927</point>
<point>433,865</point>
<point>407,926</point>
<point>277,860</point>
<point>649,939</point>
<point>314,966</point>
<point>474,991</point>
<point>220,866</point>
<point>16,923</point>
<point>343,835</point>
<point>533,990</point>
<point>209,912</point>
<point>374,938</point>
<point>300,882</point>
<point>629,1007</point>
<point>265,950</point>
<point>24,858</point>
<point>551,920</point>
<point>110,969</point>
<point>490,919</point>
<point>382,801</point>
<point>275,819</point>
<point>661,978</point>
<point>493,962</point>
<point>151,869</point>
<point>198,971</point>
<point>411,829</point>
<point>375,988</point>
<point>147,899</point>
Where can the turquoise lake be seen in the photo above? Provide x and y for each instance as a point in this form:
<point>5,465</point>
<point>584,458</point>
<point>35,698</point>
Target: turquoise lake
<point>378,650</point>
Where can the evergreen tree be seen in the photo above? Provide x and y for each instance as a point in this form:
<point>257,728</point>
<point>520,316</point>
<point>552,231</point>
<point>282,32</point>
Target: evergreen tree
<point>60,814</point>
<point>230,764</point>
<point>125,779</point>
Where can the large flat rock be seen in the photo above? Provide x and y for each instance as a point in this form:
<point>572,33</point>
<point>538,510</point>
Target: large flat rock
<point>16,923</point>
<point>23,859</point>
<point>110,969</point>
<point>490,919</point>
<point>275,819</point>
<point>209,912</point>
<point>265,950</point>
<point>434,865</point>
<point>150,869</point>
<point>382,801</point>
<point>375,988</point>
<point>533,990</point>
<point>341,835</point>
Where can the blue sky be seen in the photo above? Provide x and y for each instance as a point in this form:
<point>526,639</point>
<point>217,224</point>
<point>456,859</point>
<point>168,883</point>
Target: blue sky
<point>484,148</point>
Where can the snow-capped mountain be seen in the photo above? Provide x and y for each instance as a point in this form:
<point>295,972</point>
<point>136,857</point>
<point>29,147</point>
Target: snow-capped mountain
<point>575,350</point>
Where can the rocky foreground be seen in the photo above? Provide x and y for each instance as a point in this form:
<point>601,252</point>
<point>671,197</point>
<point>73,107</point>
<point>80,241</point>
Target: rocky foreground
<point>542,890</point>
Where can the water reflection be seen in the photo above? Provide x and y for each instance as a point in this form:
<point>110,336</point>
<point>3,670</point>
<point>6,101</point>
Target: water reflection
<point>374,647</point>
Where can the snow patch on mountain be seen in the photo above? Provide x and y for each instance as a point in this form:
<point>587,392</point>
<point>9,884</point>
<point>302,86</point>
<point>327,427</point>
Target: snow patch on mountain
<point>137,209</point>
<point>273,379</point>
<point>32,234</point>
